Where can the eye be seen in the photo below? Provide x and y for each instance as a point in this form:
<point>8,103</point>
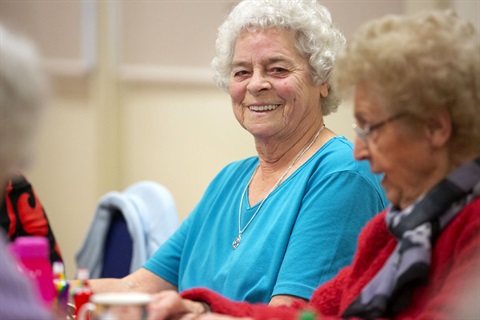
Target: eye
<point>278,71</point>
<point>361,125</point>
<point>240,73</point>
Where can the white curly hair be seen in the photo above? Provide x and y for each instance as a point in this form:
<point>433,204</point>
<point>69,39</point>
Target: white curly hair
<point>311,23</point>
<point>23,91</point>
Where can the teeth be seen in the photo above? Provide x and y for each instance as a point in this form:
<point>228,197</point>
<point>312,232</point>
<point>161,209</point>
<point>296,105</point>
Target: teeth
<point>264,108</point>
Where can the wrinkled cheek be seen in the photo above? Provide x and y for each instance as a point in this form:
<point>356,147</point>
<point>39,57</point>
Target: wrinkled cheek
<point>237,93</point>
<point>237,96</point>
<point>238,112</point>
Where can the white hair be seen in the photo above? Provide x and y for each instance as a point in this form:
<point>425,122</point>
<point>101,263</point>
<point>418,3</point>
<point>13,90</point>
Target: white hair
<point>22,96</point>
<point>311,24</point>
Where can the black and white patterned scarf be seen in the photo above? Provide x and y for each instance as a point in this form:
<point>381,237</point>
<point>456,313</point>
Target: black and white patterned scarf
<point>415,229</point>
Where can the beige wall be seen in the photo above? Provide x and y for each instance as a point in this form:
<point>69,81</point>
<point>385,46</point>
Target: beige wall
<point>113,123</point>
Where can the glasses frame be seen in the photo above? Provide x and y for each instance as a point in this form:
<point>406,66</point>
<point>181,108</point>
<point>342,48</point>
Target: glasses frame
<point>363,133</point>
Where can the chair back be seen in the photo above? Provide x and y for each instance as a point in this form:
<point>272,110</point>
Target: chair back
<point>118,251</point>
<point>127,228</point>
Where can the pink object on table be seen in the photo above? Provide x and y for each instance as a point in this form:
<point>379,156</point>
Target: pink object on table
<point>33,255</point>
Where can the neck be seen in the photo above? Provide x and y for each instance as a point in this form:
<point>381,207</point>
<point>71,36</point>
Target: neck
<point>443,167</point>
<point>270,175</point>
<point>277,153</point>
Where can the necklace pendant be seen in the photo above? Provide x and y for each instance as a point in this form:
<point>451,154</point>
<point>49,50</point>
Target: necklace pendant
<point>236,242</point>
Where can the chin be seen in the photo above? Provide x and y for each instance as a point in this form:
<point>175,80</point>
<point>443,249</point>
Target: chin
<point>393,196</point>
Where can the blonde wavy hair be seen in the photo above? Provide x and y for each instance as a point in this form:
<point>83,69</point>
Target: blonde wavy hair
<point>420,64</point>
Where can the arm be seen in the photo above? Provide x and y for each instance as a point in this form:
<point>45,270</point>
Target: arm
<point>283,300</point>
<point>141,280</point>
<point>169,304</point>
<point>199,304</point>
<point>222,305</point>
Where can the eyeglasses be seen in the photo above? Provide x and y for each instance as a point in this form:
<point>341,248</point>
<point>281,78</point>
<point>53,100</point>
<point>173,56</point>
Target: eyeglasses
<point>364,132</point>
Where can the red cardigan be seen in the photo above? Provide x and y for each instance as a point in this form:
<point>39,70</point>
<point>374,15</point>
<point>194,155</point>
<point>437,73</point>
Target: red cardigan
<point>455,264</point>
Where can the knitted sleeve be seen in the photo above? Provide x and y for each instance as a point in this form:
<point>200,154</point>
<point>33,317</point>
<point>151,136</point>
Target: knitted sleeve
<point>222,305</point>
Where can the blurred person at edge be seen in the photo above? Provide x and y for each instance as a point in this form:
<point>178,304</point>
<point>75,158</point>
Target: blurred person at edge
<point>23,92</point>
<point>417,108</point>
<point>257,232</point>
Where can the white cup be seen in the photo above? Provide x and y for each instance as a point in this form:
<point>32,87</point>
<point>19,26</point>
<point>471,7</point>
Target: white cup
<point>116,306</point>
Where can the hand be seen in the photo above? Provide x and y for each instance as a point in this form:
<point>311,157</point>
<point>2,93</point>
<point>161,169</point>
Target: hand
<point>169,305</point>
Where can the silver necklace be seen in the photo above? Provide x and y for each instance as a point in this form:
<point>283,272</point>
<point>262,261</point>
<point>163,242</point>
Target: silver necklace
<point>237,240</point>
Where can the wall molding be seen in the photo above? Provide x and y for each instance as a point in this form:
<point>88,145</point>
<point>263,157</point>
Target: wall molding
<point>165,74</point>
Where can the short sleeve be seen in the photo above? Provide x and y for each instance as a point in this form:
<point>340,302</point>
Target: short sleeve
<point>340,205</point>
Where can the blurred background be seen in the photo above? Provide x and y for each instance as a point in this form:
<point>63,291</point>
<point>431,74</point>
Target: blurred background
<point>132,98</point>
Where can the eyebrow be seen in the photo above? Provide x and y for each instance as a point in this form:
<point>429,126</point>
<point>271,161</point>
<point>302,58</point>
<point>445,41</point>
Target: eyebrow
<point>239,64</point>
<point>271,60</point>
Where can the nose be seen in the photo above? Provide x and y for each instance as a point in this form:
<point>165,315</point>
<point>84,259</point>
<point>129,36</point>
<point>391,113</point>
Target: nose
<point>258,82</point>
<point>360,150</point>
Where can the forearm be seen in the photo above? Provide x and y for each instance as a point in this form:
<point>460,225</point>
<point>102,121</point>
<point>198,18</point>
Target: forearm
<point>141,280</point>
<point>283,300</point>
<point>112,285</point>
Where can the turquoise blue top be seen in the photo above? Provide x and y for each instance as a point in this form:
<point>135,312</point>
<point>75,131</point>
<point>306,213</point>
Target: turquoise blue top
<point>320,208</point>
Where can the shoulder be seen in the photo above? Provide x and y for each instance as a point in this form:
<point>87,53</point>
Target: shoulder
<point>335,160</point>
<point>239,164</point>
<point>236,169</point>
<point>467,219</point>
<point>472,211</point>
<point>464,230</point>
<point>337,154</point>
<point>338,147</point>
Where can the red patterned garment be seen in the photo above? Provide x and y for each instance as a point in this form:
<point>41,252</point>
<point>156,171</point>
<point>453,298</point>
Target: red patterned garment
<point>22,214</point>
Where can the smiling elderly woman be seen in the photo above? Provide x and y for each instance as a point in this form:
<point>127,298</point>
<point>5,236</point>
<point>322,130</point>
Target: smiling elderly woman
<point>417,106</point>
<point>271,227</point>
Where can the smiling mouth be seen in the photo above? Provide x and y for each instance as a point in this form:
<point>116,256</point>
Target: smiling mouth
<point>268,107</point>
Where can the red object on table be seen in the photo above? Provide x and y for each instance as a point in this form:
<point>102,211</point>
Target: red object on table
<point>83,292</point>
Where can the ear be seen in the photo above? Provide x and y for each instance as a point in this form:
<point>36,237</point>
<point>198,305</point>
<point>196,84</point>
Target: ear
<point>324,89</point>
<point>439,128</point>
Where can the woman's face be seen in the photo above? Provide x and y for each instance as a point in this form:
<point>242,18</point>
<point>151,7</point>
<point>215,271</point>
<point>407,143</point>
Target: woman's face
<point>271,87</point>
<point>405,158</point>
